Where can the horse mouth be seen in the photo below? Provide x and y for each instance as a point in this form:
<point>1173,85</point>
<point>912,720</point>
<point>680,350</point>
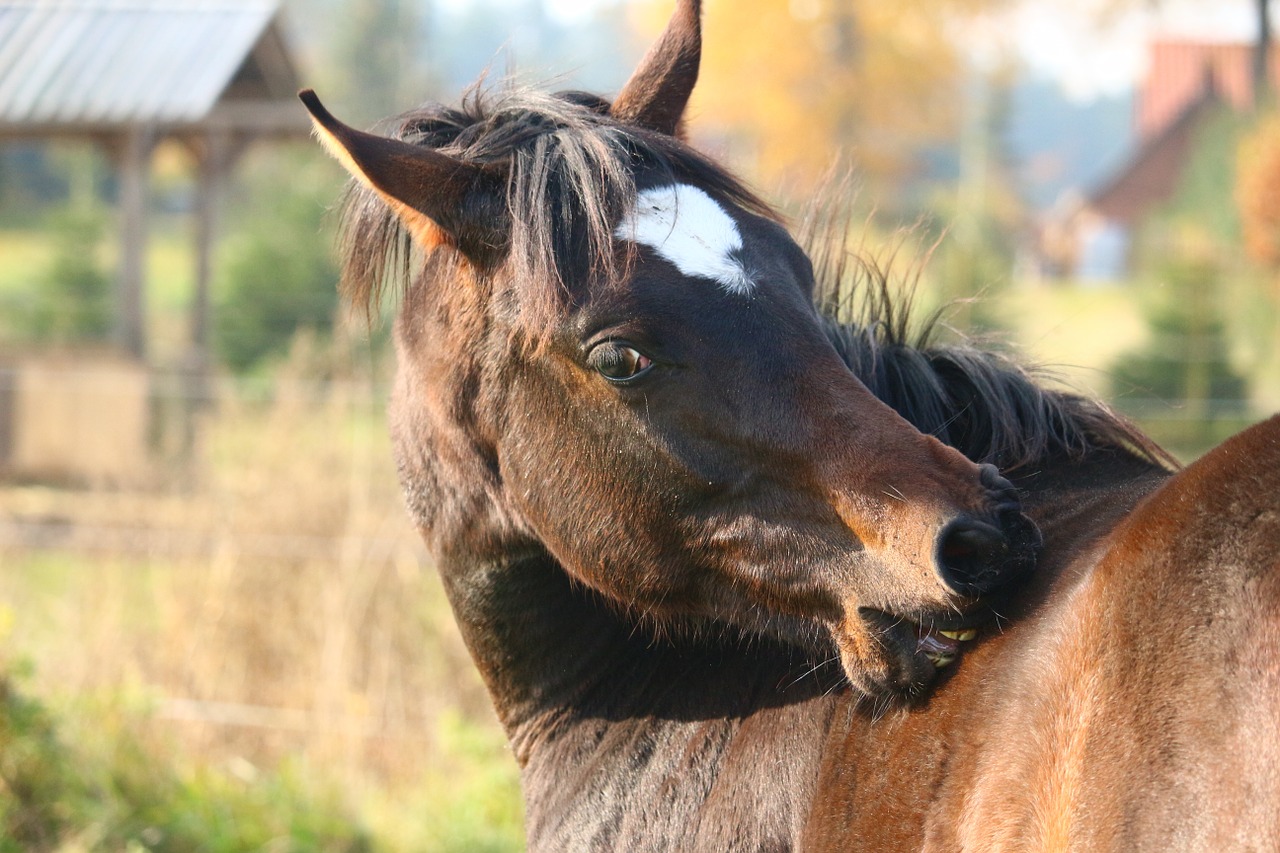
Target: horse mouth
<point>942,647</point>
<point>894,656</point>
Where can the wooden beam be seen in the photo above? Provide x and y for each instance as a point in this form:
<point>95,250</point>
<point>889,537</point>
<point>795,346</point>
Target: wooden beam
<point>262,118</point>
<point>133,162</point>
<point>279,119</point>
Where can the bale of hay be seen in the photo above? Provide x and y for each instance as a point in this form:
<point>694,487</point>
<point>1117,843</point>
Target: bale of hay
<point>74,417</point>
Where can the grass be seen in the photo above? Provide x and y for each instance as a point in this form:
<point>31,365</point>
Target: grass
<point>65,788</point>
<point>25,254</point>
<point>263,635</point>
<point>252,652</point>
<point>1074,332</point>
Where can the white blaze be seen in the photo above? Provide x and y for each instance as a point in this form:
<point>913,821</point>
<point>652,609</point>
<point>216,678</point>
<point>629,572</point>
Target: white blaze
<point>685,225</point>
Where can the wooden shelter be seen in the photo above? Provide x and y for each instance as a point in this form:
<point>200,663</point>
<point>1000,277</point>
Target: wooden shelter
<point>215,75</point>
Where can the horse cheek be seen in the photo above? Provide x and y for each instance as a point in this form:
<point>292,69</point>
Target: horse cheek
<point>584,497</point>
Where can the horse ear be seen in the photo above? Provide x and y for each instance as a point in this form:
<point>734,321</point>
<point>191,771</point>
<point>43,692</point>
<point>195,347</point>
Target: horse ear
<point>437,198</point>
<point>659,89</point>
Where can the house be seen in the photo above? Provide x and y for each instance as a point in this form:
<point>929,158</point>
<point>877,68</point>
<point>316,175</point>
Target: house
<point>1186,83</point>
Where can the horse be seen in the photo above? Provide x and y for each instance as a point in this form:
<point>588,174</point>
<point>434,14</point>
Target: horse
<point>738,576</point>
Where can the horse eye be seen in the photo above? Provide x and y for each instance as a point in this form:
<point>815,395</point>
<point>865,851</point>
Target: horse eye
<point>618,362</point>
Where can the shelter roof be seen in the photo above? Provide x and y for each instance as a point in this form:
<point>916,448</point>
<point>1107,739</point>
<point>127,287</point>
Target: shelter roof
<point>86,65</point>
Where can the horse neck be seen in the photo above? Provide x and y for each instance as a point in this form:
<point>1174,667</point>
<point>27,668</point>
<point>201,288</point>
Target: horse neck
<point>1076,501</point>
<point>602,714</point>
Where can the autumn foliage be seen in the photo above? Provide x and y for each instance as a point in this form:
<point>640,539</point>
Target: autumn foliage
<point>787,88</point>
<point>1258,191</point>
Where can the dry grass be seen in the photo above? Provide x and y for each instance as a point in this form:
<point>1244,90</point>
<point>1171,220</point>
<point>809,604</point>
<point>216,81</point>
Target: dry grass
<point>277,606</point>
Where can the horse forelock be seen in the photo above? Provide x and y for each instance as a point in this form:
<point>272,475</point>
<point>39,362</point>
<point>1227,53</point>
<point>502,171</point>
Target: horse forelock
<point>572,177</point>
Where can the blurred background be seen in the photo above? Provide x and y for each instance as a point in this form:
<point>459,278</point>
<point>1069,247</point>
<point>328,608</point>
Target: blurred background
<point>218,630</point>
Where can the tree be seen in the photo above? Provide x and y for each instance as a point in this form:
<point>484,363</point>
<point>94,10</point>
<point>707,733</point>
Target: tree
<point>1258,202</point>
<point>796,85</point>
<point>1262,54</point>
<point>73,303</point>
<point>1258,192</point>
<point>379,53</point>
<point>1186,359</point>
<point>280,275</point>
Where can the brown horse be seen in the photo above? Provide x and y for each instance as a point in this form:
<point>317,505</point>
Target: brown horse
<point>716,556</point>
<point>1132,704</point>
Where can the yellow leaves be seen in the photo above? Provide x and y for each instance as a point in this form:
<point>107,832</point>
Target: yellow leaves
<point>790,86</point>
<point>1258,191</point>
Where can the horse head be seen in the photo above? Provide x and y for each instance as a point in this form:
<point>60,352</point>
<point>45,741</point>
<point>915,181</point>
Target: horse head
<point>610,354</point>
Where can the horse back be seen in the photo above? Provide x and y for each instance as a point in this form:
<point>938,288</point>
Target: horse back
<point>1144,713</point>
<point>1192,674</point>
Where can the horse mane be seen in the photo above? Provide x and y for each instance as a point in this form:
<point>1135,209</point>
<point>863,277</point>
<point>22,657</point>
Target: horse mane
<point>570,177</point>
<point>976,399</point>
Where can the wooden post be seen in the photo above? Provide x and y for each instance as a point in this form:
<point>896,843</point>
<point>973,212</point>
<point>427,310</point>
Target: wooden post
<point>133,158</point>
<point>214,153</point>
<point>214,156</point>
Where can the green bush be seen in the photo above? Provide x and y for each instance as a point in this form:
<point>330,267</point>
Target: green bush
<point>123,793</point>
<point>1185,359</point>
<point>73,301</point>
<point>40,792</point>
<point>280,276</point>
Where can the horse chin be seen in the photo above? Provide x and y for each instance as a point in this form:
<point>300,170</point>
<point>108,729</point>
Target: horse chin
<point>893,659</point>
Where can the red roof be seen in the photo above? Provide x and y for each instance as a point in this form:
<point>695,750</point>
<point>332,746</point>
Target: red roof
<point>1181,73</point>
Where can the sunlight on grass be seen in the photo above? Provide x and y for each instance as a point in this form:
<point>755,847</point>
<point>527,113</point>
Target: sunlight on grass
<point>256,655</point>
<point>1074,332</point>
<point>24,256</point>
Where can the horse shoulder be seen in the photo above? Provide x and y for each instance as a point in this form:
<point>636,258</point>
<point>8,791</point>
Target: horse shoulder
<point>1144,710</point>
<point>1226,505</point>
<point>1193,683</point>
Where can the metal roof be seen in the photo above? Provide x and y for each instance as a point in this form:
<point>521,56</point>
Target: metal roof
<point>117,62</point>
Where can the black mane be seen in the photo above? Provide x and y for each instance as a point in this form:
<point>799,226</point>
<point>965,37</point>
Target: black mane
<point>983,403</point>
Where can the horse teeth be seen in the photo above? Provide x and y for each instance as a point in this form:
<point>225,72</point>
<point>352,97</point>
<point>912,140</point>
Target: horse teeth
<point>940,661</point>
<point>963,636</point>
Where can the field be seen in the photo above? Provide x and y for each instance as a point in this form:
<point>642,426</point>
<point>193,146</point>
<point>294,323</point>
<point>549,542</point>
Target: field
<point>270,624</point>
<point>240,646</point>
<point>245,647</point>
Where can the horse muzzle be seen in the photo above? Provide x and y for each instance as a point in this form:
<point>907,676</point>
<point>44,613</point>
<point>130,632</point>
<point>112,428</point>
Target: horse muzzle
<point>979,555</point>
<point>975,557</point>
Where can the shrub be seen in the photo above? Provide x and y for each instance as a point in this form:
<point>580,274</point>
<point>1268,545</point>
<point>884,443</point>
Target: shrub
<point>1186,358</point>
<point>73,302</point>
<point>280,274</point>
<point>128,795</point>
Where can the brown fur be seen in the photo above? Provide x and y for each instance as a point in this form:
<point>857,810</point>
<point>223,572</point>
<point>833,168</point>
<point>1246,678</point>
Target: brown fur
<point>1135,707</point>
<point>695,597</point>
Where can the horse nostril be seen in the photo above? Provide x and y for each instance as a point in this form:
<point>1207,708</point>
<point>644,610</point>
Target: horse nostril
<point>1000,488</point>
<point>990,476</point>
<point>971,556</point>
